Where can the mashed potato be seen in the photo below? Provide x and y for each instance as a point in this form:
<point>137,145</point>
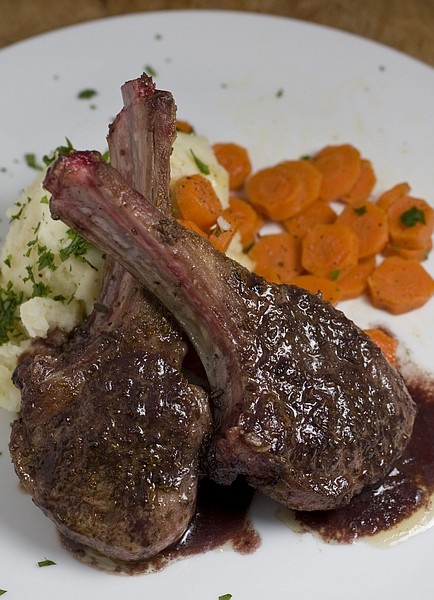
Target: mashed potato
<point>50,277</point>
<point>49,273</point>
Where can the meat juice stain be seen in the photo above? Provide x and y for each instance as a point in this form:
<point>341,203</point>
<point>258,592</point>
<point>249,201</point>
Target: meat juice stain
<point>221,519</point>
<point>406,492</point>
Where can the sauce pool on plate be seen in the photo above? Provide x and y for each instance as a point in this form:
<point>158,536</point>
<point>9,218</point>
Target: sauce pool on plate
<point>401,503</point>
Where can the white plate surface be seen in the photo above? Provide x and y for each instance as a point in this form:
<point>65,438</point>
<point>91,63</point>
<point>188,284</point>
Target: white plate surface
<point>283,88</point>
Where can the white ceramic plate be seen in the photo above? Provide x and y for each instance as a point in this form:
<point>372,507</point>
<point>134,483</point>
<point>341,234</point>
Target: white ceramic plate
<point>283,88</point>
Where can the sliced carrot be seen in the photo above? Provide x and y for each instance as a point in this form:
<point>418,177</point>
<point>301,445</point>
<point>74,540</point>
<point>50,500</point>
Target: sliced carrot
<point>310,177</point>
<point>399,285</point>
<point>340,167</point>
<point>330,251</point>
<point>318,285</point>
<point>387,344</point>
<point>224,231</point>
<point>184,126</point>
<point>395,193</point>
<point>282,191</point>
<point>197,201</point>
<point>316,213</point>
<point>277,257</point>
<point>411,223</point>
<point>419,254</point>
<point>369,223</point>
<point>355,282</point>
<point>249,221</point>
<point>364,183</point>
<point>193,227</point>
<point>235,159</point>
<point>273,193</point>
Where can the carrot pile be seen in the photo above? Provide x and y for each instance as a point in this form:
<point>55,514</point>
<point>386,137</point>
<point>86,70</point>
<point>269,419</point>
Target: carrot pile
<point>336,238</point>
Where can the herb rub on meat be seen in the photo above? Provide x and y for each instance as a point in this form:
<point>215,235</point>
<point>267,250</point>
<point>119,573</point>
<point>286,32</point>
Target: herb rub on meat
<point>307,407</point>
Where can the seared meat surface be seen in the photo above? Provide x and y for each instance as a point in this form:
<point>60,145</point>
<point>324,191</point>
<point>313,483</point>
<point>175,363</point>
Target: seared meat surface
<point>307,408</point>
<point>110,432</point>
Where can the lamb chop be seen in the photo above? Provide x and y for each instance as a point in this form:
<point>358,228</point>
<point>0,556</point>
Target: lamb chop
<point>307,408</point>
<point>110,432</point>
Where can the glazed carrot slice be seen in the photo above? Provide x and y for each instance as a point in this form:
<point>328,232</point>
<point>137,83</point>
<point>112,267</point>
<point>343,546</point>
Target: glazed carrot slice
<point>330,251</point>
<point>310,177</point>
<point>272,193</point>
<point>355,282</point>
<point>319,212</point>
<point>364,184</point>
<point>224,231</point>
<point>411,223</point>
<point>249,221</point>
<point>235,159</point>
<point>387,344</point>
<point>395,193</point>
<point>197,201</point>
<point>419,254</point>
<point>277,257</point>
<point>399,285</point>
<point>369,223</point>
<point>192,226</point>
<point>282,191</point>
<point>184,126</point>
<point>328,289</point>
<point>340,167</point>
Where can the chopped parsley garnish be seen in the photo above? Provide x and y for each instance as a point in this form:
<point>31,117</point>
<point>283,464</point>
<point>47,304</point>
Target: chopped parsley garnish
<point>8,260</point>
<point>87,93</point>
<point>30,245</point>
<point>32,162</point>
<point>9,303</point>
<point>77,247</point>
<point>3,592</point>
<point>45,258</point>
<point>64,150</point>
<point>225,597</point>
<point>40,289</point>
<point>335,274</point>
<point>46,563</point>
<point>21,207</point>
<point>203,167</point>
<point>279,93</point>
<point>360,211</point>
<point>150,71</point>
<point>412,216</point>
<point>17,215</point>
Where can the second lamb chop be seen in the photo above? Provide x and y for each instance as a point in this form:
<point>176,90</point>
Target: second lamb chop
<point>307,407</point>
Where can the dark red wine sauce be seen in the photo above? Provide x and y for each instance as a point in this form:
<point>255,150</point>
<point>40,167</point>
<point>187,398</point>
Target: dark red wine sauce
<point>221,519</point>
<point>406,489</point>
